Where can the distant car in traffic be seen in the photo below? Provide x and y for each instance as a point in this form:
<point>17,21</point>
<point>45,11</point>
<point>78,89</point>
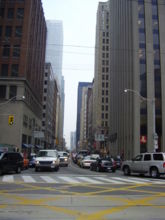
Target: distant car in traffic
<point>10,161</point>
<point>86,161</point>
<point>103,165</point>
<point>47,159</point>
<point>32,160</point>
<point>63,157</point>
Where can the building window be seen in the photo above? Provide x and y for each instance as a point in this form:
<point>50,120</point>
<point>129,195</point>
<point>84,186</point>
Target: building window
<point>14,70</point>
<point>4,69</point>
<point>102,115</point>
<point>2,92</point>
<point>2,12</point>
<point>102,92</point>
<point>10,13</point>
<point>20,13</point>
<point>6,50</point>
<point>8,31</point>
<point>12,91</point>
<point>16,51</point>
<point>106,92</point>
<point>106,107</point>
<point>102,107</point>
<point>18,31</point>
<point>103,77</point>
<point>0,31</point>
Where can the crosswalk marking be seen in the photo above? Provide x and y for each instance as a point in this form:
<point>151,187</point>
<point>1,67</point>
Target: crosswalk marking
<point>28,179</point>
<point>128,180</point>
<point>69,179</point>
<point>78,179</point>
<point>89,180</point>
<point>8,178</point>
<point>48,179</point>
<point>109,180</point>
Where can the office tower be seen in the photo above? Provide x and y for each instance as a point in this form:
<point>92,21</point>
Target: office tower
<point>22,56</point>
<point>137,66</point>
<point>101,100</point>
<point>81,85</point>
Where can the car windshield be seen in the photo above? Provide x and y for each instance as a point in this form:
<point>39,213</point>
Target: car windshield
<point>47,154</point>
<point>62,154</point>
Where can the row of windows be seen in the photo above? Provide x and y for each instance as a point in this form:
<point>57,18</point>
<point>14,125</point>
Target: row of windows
<point>105,41</point>
<point>105,92</point>
<point>7,50</point>
<point>104,124</point>
<point>10,13</point>
<point>105,55</point>
<point>105,48</point>
<point>104,108</point>
<point>105,84</point>
<point>105,77</point>
<point>105,34</point>
<point>104,115</point>
<point>105,99</point>
<point>9,31</point>
<point>12,91</point>
<point>5,70</point>
<point>105,70</point>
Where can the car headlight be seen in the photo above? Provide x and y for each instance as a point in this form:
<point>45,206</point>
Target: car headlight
<point>65,159</point>
<point>37,162</point>
<point>54,161</point>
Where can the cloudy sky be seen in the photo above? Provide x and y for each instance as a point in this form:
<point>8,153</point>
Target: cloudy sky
<point>79,22</point>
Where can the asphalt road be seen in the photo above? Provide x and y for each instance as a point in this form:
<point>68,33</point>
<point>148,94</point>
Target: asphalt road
<point>80,194</point>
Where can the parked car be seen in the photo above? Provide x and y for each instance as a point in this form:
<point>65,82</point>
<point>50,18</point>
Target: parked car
<point>86,161</point>
<point>103,165</point>
<point>10,161</point>
<point>146,163</point>
<point>63,156</point>
<point>81,154</point>
<point>47,159</point>
<point>32,160</point>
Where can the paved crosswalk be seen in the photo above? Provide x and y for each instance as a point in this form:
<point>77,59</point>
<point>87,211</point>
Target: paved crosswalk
<point>97,179</point>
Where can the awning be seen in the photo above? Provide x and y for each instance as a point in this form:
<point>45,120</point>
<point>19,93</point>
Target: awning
<point>25,145</point>
<point>31,145</point>
<point>39,146</point>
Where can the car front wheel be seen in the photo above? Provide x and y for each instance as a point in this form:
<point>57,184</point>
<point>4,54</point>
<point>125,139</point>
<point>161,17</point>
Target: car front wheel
<point>126,171</point>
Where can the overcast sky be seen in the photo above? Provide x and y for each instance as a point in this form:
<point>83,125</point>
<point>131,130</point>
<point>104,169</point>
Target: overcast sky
<point>79,23</point>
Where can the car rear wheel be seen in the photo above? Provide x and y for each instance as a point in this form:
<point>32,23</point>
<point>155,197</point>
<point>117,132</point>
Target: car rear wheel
<point>127,171</point>
<point>18,170</point>
<point>154,173</point>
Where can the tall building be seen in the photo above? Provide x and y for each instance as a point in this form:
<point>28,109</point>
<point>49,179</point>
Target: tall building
<point>81,85</point>
<point>49,107</point>
<point>22,56</point>
<point>137,64</point>
<point>54,54</point>
<point>72,140</point>
<point>101,86</point>
<point>54,47</point>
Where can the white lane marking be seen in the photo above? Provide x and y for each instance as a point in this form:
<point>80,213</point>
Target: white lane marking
<point>48,179</point>
<point>88,180</point>
<point>110,180</point>
<point>127,180</point>
<point>8,178</point>
<point>68,179</point>
<point>28,179</point>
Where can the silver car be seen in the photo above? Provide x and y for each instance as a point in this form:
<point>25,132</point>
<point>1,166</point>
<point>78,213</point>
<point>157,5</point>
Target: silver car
<point>47,159</point>
<point>146,163</point>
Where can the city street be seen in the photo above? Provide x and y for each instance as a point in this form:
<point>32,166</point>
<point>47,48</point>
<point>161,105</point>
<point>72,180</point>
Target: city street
<point>75,193</point>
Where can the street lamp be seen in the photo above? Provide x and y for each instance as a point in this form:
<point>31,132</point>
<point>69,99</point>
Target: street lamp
<point>155,136</point>
<point>14,97</point>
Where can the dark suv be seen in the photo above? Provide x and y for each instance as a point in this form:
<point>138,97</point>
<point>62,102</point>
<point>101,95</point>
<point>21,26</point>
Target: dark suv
<point>10,161</point>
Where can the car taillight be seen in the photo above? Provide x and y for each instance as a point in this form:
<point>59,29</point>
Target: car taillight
<point>164,165</point>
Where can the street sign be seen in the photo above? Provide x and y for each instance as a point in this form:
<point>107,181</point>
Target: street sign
<point>38,134</point>
<point>99,137</point>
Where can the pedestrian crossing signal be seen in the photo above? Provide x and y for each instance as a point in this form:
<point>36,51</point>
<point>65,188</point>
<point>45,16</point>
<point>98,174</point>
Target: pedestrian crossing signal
<point>11,120</point>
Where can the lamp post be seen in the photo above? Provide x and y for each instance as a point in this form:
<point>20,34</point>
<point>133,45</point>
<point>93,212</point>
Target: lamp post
<point>155,136</point>
<point>14,97</point>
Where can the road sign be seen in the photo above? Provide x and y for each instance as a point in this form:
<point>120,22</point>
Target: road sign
<point>11,119</point>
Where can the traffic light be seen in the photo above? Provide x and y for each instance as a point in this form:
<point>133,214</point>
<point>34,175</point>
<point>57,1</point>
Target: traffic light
<point>11,120</point>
